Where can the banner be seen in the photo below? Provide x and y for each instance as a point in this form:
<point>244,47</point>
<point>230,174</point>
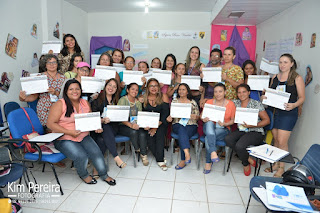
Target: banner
<point>173,34</point>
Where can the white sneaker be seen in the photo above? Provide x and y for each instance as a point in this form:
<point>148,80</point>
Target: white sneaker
<point>163,166</point>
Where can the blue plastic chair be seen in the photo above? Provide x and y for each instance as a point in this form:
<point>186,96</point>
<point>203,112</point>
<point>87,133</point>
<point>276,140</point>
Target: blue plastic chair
<point>9,107</point>
<point>19,125</point>
<point>3,126</point>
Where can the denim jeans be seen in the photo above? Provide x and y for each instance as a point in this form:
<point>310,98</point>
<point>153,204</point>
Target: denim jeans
<point>184,133</point>
<point>213,135</point>
<point>80,152</point>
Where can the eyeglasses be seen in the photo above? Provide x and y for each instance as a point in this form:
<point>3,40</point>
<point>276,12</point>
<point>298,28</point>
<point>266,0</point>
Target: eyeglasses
<point>84,70</point>
<point>153,85</point>
<point>52,63</point>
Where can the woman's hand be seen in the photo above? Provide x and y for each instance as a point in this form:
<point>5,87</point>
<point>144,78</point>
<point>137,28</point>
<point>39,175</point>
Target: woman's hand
<point>223,76</point>
<point>51,91</point>
<point>247,126</point>
<point>169,119</point>
<point>221,123</point>
<point>94,96</point>
<point>135,126</point>
<point>201,89</point>
<point>205,120</point>
<point>105,120</point>
<point>201,75</point>
<point>122,84</point>
<point>289,106</point>
<point>74,133</point>
<point>22,95</point>
<point>144,80</point>
<point>99,131</point>
<point>50,52</point>
<point>152,132</point>
<point>202,102</point>
<point>193,116</point>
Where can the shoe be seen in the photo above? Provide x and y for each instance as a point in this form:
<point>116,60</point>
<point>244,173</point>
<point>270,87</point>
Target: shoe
<point>254,163</point>
<point>163,166</point>
<point>188,161</point>
<point>207,171</point>
<point>93,181</point>
<point>279,173</point>
<point>177,167</point>
<point>247,173</point>
<point>215,160</point>
<point>144,159</point>
<point>275,167</point>
<point>111,182</point>
<point>124,164</point>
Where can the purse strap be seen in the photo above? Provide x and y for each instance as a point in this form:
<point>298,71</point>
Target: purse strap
<point>28,118</point>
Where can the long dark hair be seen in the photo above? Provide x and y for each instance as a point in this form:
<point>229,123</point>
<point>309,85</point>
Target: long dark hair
<point>115,97</point>
<point>108,55</point>
<point>122,54</point>
<point>292,73</point>
<point>245,64</point>
<point>66,98</point>
<point>72,60</point>
<point>165,60</point>
<point>189,96</point>
<point>154,59</point>
<point>65,50</point>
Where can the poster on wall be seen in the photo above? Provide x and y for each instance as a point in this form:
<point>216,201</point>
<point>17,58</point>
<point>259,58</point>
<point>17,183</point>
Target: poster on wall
<point>6,79</point>
<point>202,34</point>
<point>223,35</point>
<point>309,75</point>
<point>33,31</point>
<point>298,39</point>
<point>216,46</point>
<point>25,73</point>
<point>173,34</point>
<point>246,35</point>
<point>126,45</point>
<point>56,31</point>
<point>313,40</point>
<point>35,61</point>
<point>275,49</point>
<point>12,46</point>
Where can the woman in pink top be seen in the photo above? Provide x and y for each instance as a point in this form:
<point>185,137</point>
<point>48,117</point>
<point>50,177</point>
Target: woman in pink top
<point>76,145</point>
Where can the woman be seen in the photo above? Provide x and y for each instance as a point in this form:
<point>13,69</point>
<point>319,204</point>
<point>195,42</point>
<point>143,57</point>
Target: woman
<point>232,74</point>
<point>118,56</point>
<point>106,140</point>
<point>156,63</point>
<point>129,63</point>
<point>247,135</point>
<point>55,81</point>
<point>76,145</point>
<point>215,131</point>
<point>131,128</point>
<point>179,70</point>
<point>249,68</point>
<point>169,63</point>
<point>143,66</point>
<point>72,70</point>
<point>70,46</point>
<point>155,101</point>
<point>290,81</point>
<point>185,128</point>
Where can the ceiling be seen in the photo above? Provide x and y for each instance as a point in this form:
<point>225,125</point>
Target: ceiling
<point>256,11</point>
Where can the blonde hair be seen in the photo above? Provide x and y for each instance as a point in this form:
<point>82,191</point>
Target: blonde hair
<point>188,59</point>
<point>146,95</point>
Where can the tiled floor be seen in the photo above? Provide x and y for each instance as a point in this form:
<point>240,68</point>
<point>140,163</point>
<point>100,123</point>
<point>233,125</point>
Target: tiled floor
<point>151,190</point>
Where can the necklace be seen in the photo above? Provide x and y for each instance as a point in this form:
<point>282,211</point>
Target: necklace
<point>53,77</point>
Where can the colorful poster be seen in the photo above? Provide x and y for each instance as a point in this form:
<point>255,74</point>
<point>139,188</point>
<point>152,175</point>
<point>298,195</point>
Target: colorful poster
<point>313,40</point>
<point>171,34</point>
<point>56,31</point>
<point>12,46</point>
<point>126,45</point>
<point>6,79</point>
<point>202,34</point>
<point>246,35</point>
<point>33,30</point>
<point>298,39</point>
<point>223,35</point>
<point>25,73</point>
<point>35,61</point>
<point>309,75</point>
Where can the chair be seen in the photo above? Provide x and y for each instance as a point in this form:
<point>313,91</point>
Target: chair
<point>311,160</point>
<point>19,125</point>
<point>33,105</point>
<point>219,143</point>
<point>9,107</point>
<point>3,127</point>
<point>176,137</point>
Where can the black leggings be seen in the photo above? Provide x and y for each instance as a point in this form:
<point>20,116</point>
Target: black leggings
<point>156,143</point>
<point>137,138</point>
<point>239,141</point>
<point>106,140</point>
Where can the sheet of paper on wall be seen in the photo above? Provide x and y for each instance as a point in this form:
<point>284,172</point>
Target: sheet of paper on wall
<point>148,119</point>
<point>87,121</point>
<point>163,76</point>
<point>119,67</point>
<point>130,76</point>
<point>34,84</point>
<point>91,84</point>
<point>270,67</point>
<point>180,110</point>
<point>258,82</point>
<point>55,46</point>
<point>213,112</point>
<point>105,72</point>
<point>276,98</point>
<point>118,113</point>
<point>192,81</point>
<point>211,74</point>
<point>246,115</point>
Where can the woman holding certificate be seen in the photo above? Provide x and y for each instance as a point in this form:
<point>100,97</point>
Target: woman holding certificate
<point>169,63</point>
<point>76,145</point>
<point>217,130</point>
<point>288,80</point>
<point>247,135</point>
<point>72,70</point>
<point>185,127</point>
<point>155,101</point>
<point>179,70</point>
<point>249,68</point>
<point>117,56</point>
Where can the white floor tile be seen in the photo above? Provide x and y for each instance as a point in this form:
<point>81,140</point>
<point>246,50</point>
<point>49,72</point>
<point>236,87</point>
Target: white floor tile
<point>100,187</point>
<point>179,206</point>
<point>241,179</point>
<point>224,194</point>
<point>226,208</point>
<point>216,178</point>
<point>157,189</point>
<point>256,209</point>
<point>189,176</point>
<point>125,186</point>
<point>43,177</point>
<point>189,191</point>
<point>140,172</point>
<point>116,204</point>
<point>236,167</point>
<point>80,201</point>
<point>157,174</point>
<point>69,181</point>
<point>34,210</point>
<point>245,193</point>
<point>147,205</point>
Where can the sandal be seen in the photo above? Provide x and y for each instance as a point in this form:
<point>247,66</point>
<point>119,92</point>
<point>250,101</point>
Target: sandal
<point>111,182</point>
<point>177,167</point>
<point>275,167</point>
<point>279,173</point>
<point>215,160</point>
<point>93,181</point>
<point>124,164</point>
<point>163,166</point>
<point>207,171</point>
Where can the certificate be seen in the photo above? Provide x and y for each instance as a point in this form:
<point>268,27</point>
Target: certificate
<point>148,119</point>
<point>213,112</point>
<point>34,84</point>
<point>163,76</point>
<point>91,84</point>
<point>155,69</point>
<point>211,74</point>
<point>130,76</point>
<point>105,72</point>
<point>192,80</point>
<point>87,121</point>
<point>246,115</point>
<point>180,110</point>
<point>55,46</point>
<point>147,76</point>
<point>117,113</point>
<point>258,82</point>
<point>276,98</point>
<point>270,67</point>
<point>119,67</point>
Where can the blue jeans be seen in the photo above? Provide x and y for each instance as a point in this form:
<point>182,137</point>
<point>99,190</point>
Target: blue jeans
<point>213,135</point>
<point>184,133</point>
<point>80,152</point>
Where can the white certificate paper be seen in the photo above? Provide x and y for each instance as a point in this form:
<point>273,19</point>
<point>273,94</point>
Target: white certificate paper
<point>91,84</point>
<point>55,46</point>
<point>119,67</point>
<point>47,137</point>
<point>118,113</point>
<point>213,112</point>
<point>163,76</point>
<point>270,67</point>
<point>180,110</point>
<point>35,84</point>
<point>258,82</point>
<point>87,121</point>
<point>147,76</point>
<point>211,74</point>
<point>148,119</point>
<point>246,115</point>
<point>276,98</point>
<point>105,72</point>
<point>130,76</point>
<point>192,80</point>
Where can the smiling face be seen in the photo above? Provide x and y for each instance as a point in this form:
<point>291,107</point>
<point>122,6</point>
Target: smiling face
<point>219,93</point>
<point>105,60</point>
<point>153,88</point>
<point>70,42</point>
<point>83,71</point>
<point>181,70</point>
<point>169,63</point>
<point>228,56</point>
<point>243,93</point>
<point>52,65</point>
<point>155,63</point>
<point>215,58</point>
<point>182,91</point>
<point>133,91</point>
<point>194,53</point>
<point>74,92</point>
<point>76,61</point>
<point>285,64</point>
<point>143,67</point>
<point>111,88</point>
<point>129,64</point>
<point>117,57</point>
<point>249,69</point>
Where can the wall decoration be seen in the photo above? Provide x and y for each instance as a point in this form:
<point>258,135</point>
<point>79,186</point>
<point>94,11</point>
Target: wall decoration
<point>35,61</point>
<point>12,46</point>
<point>173,34</point>
<point>316,89</point>
<point>140,46</point>
<point>246,35</point>
<point>309,75</point>
<point>275,49</point>
<point>215,46</point>
<point>298,39</point>
<point>126,45</point>
<point>56,31</point>
<point>138,54</point>
<point>5,82</point>
<point>33,31</point>
<point>264,46</point>
<point>313,40</point>
<point>25,73</point>
<point>202,35</point>
<point>223,35</point>
<point>204,51</point>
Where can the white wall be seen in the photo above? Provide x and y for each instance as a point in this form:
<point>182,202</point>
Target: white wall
<point>304,18</point>
<point>131,26</point>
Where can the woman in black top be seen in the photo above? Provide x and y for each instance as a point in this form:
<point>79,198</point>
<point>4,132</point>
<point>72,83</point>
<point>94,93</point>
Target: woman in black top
<point>155,101</point>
